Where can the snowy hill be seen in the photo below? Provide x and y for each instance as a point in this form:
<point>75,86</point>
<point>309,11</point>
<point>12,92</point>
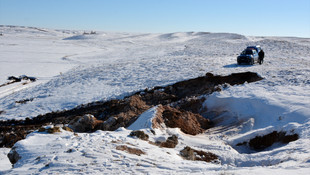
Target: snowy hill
<point>73,68</point>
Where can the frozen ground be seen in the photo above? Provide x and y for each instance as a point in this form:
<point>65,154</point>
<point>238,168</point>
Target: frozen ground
<point>74,69</point>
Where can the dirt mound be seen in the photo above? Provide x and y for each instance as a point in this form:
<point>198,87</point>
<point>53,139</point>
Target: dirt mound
<point>188,122</point>
<point>122,113</point>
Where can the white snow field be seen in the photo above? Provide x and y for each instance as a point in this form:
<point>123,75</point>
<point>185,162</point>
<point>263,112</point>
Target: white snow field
<point>73,68</point>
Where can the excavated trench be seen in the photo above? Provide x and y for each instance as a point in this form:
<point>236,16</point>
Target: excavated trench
<point>180,103</point>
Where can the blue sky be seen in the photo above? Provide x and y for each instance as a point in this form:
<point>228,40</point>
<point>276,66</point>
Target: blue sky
<point>260,18</point>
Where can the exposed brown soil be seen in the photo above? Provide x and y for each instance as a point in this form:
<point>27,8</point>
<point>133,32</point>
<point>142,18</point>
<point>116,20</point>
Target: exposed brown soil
<point>122,113</point>
<point>139,134</point>
<point>158,120</point>
<point>260,143</point>
<point>171,142</point>
<point>130,150</point>
<point>188,122</point>
<point>189,153</point>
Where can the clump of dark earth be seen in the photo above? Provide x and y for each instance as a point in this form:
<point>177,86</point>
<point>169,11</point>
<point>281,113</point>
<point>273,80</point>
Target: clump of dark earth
<point>113,114</point>
<point>130,150</point>
<point>139,134</point>
<point>189,153</point>
<point>259,143</point>
<point>9,135</point>
<point>121,113</point>
<point>171,142</point>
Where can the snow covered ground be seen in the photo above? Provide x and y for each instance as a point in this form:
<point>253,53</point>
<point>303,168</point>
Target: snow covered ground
<point>74,69</point>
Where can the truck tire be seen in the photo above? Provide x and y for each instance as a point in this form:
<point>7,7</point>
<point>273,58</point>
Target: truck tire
<point>252,61</point>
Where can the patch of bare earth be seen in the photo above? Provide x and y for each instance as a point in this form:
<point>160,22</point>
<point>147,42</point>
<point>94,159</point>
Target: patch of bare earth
<point>171,142</point>
<point>189,153</point>
<point>188,122</point>
<point>139,134</point>
<point>130,150</point>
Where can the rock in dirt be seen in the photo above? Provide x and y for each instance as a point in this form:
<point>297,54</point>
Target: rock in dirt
<point>84,123</point>
<point>13,155</point>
